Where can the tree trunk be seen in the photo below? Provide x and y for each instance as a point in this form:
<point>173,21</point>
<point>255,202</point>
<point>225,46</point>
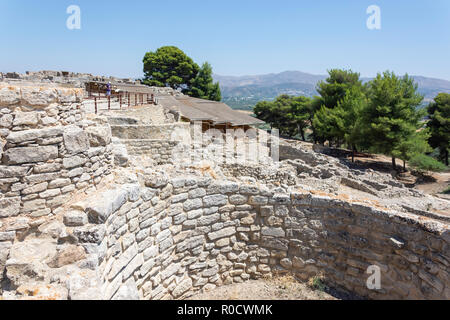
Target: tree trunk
<point>404,166</point>
<point>302,132</point>
<point>394,166</point>
<point>446,157</point>
<point>353,153</point>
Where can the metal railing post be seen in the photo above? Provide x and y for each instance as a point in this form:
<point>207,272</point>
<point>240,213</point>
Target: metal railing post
<point>95,102</point>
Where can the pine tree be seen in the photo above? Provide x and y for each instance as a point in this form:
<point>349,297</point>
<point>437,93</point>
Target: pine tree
<point>439,124</point>
<point>334,88</point>
<point>343,122</point>
<point>332,91</point>
<point>203,86</point>
<point>416,145</point>
<point>391,117</point>
<point>291,115</point>
<point>169,66</point>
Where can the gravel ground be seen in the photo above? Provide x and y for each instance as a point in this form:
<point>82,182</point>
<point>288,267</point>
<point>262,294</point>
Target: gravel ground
<point>283,288</point>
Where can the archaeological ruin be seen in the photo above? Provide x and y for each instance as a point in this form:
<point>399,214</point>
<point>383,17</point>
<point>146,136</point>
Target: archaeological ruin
<point>116,199</point>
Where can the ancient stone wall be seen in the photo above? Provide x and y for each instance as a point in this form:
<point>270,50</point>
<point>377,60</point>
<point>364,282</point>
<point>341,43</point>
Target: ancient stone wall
<point>175,237</point>
<point>161,151</point>
<point>48,151</point>
<point>162,132</point>
<point>156,237</point>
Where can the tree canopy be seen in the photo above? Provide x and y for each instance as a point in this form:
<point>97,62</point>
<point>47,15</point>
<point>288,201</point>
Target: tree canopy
<point>391,115</point>
<point>334,88</point>
<point>203,86</point>
<point>170,67</point>
<point>439,124</point>
<point>381,116</point>
<point>291,115</point>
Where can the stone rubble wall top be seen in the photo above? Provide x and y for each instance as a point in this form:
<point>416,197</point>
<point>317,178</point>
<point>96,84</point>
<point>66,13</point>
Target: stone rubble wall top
<point>11,95</point>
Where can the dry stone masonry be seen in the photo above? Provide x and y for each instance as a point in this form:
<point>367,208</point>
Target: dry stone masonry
<point>82,216</point>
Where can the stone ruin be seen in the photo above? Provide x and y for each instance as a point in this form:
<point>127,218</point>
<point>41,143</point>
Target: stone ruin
<point>94,207</point>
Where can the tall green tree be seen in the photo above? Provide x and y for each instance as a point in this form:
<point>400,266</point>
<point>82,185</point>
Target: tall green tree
<point>291,115</point>
<point>332,91</point>
<point>439,125</point>
<point>343,122</point>
<point>391,116</point>
<point>300,114</point>
<point>169,66</point>
<point>417,144</point>
<point>203,86</point>
<point>334,88</point>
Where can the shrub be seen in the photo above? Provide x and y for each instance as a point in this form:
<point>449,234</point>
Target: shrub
<point>422,162</point>
<point>447,190</point>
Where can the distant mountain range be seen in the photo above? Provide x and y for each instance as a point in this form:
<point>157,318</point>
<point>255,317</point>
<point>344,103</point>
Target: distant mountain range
<point>245,91</point>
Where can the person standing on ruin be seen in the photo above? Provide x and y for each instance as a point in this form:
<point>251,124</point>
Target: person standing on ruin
<point>108,89</point>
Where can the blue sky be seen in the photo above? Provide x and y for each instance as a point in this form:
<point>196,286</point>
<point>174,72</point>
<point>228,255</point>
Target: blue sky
<point>236,37</point>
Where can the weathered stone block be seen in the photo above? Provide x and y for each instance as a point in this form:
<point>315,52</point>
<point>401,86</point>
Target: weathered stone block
<point>75,218</point>
<point>226,232</point>
<point>75,140</point>
<point>26,118</point>
<point>72,162</point>
<point>30,154</point>
<point>215,200</point>
<point>9,207</point>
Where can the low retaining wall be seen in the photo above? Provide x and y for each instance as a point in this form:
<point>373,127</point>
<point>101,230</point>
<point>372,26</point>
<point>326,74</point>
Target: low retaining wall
<point>160,150</point>
<point>174,238</point>
<point>150,132</point>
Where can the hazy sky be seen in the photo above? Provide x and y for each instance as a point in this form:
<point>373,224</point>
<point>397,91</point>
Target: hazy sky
<point>236,37</point>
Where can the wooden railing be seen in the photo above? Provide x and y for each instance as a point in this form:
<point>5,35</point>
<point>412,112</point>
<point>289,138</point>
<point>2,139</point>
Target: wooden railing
<point>124,99</point>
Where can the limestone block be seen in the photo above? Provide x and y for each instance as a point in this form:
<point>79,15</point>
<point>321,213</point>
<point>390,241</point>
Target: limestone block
<point>258,200</point>
<point>134,191</point>
<point>127,292</point>
<point>59,183</point>
<point>74,161</point>
<point>9,96</point>
<point>102,207</point>
<point>90,233</point>
<point>75,140</point>
<point>192,204</point>
<point>215,200</point>
<point>7,236</point>
<point>33,134</point>
<point>30,154</point>
<point>75,218</point>
<point>35,96</point>
<point>6,121</point>
<point>183,287</point>
<point>238,199</point>
<point>226,232</point>
<point>9,207</point>
<point>67,255</point>
<point>12,171</point>
<point>123,260</point>
<point>273,232</point>
<point>84,287</point>
<point>121,156</point>
<point>26,118</point>
<point>99,135</point>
